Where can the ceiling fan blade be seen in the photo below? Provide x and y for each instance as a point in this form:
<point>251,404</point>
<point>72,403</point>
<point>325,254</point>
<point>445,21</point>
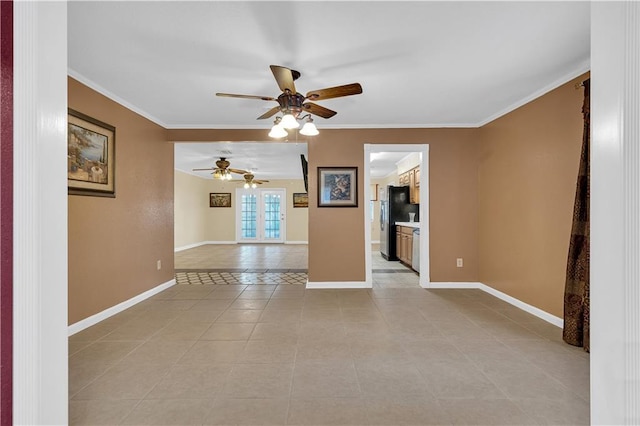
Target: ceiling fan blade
<point>238,171</point>
<point>198,170</point>
<point>284,77</point>
<point>260,181</point>
<point>233,95</point>
<point>273,111</point>
<point>318,110</point>
<point>335,92</point>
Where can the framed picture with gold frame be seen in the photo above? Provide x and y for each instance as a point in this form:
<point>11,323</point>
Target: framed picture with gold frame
<point>91,159</point>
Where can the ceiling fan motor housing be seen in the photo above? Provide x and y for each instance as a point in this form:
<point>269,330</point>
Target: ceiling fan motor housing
<point>291,103</point>
<point>222,163</point>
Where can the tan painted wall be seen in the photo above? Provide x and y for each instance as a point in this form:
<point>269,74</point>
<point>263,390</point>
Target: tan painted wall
<point>190,209</point>
<point>520,168</point>
<point>336,235</point>
<point>114,243</point>
<point>527,176</point>
<point>197,222</point>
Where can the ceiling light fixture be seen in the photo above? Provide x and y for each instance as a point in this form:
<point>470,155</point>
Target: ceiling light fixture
<point>309,129</point>
<point>289,121</point>
<point>277,131</point>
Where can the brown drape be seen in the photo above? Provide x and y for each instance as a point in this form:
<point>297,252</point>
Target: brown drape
<point>576,294</point>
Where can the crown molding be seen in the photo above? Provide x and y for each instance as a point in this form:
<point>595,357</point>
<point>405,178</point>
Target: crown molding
<point>583,68</point>
<point>95,86</point>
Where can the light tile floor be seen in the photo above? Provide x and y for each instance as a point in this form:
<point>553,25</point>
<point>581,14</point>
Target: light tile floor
<point>279,354</point>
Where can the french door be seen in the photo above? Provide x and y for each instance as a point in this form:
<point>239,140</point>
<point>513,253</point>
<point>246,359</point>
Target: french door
<point>260,215</point>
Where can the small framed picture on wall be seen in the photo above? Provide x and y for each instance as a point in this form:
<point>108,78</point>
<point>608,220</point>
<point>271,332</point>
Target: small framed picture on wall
<point>337,187</point>
<point>220,199</point>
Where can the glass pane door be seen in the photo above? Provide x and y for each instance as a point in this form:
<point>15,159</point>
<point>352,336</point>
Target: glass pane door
<point>260,215</point>
<point>248,217</point>
<point>271,203</point>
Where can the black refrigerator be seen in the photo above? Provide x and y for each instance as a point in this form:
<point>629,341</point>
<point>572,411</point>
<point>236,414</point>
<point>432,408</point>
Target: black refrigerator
<point>395,207</point>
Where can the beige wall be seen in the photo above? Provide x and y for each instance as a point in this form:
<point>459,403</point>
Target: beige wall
<point>114,243</point>
<point>197,222</point>
<point>191,209</point>
<point>336,235</point>
<point>527,176</point>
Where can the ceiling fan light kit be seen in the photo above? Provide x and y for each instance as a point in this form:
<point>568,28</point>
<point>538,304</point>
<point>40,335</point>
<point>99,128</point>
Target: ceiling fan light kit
<point>222,170</point>
<point>292,104</point>
<point>309,129</point>
<point>289,122</point>
<point>278,131</point>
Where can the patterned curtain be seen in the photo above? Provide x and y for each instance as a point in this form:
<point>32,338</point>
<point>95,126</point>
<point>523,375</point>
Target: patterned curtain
<point>576,293</point>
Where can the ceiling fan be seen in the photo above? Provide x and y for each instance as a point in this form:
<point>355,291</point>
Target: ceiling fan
<point>293,105</point>
<point>222,170</point>
<point>250,181</point>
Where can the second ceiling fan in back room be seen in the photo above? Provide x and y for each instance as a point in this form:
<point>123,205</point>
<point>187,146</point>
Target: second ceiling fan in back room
<point>222,170</point>
<point>295,106</point>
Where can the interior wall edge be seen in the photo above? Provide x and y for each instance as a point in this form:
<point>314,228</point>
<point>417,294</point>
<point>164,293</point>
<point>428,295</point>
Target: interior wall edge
<point>40,256</point>
<point>615,209</point>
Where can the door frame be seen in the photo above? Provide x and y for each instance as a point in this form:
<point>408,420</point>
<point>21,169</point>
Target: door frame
<point>424,280</point>
<point>259,192</point>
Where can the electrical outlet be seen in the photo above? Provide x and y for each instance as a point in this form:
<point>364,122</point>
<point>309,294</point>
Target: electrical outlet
<point>459,262</point>
<point>159,265</point>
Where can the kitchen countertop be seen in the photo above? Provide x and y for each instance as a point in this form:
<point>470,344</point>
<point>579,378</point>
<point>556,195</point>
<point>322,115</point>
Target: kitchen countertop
<point>409,224</point>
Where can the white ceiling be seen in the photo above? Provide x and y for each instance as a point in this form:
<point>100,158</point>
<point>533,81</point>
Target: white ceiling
<point>421,64</point>
<point>267,160</point>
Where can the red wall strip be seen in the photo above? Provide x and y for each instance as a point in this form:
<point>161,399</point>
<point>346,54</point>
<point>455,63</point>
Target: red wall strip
<point>6,213</point>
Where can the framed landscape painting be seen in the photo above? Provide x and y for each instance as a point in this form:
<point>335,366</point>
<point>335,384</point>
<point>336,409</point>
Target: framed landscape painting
<point>300,199</point>
<point>337,187</point>
<point>220,199</point>
<point>91,160</point>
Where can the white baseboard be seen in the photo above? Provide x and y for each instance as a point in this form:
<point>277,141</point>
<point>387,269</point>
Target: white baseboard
<point>337,284</point>
<point>109,312</point>
<point>552,319</point>
<point>453,285</point>
<point>189,246</point>
<point>221,242</point>
<point>202,243</point>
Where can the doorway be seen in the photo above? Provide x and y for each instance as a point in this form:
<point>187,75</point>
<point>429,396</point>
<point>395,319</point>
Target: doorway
<point>260,215</point>
<point>423,211</point>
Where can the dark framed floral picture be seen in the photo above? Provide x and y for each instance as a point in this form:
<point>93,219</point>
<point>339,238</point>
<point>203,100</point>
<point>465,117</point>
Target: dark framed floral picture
<point>337,187</point>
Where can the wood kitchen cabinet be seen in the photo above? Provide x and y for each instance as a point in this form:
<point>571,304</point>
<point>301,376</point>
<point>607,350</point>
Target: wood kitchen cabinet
<point>414,191</point>
<point>404,179</point>
<point>404,244</point>
<point>412,180</point>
